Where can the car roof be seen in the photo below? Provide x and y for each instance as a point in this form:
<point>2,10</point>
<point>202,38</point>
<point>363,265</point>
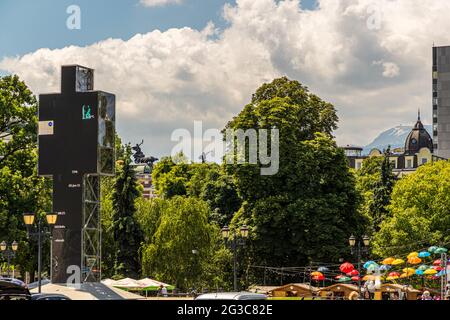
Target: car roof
<point>232,296</point>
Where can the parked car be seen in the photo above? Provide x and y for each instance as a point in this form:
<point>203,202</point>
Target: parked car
<point>13,289</point>
<point>232,296</point>
<point>49,296</point>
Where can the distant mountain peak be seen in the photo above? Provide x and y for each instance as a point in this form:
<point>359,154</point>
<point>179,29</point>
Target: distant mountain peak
<point>394,137</point>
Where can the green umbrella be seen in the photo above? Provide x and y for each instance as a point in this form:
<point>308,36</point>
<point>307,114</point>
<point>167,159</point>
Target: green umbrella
<point>344,279</point>
<point>423,267</point>
<point>432,249</point>
<point>440,250</point>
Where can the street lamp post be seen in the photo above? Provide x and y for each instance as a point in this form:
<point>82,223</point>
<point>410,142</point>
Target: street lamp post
<point>238,240</point>
<point>8,253</point>
<point>39,232</point>
<point>358,248</point>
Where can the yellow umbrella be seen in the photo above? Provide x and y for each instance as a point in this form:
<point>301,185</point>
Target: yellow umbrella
<point>414,260</point>
<point>413,254</point>
<point>368,278</point>
<point>404,275</point>
<point>397,262</point>
<point>392,278</point>
<point>317,274</point>
<point>388,261</point>
<point>409,271</point>
<point>430,272</point>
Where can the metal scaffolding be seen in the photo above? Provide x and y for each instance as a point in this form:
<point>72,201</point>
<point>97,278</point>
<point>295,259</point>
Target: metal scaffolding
<point>91,239</point>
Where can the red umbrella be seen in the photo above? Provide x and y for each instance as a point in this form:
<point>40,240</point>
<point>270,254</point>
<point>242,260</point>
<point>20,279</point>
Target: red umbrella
<point>347,267</point>
<point>437,262</point>
<point>318,278</point>
<point>355,278</point>
<point>394,274</point>
<point>438,268</point>
<point>353,273</point>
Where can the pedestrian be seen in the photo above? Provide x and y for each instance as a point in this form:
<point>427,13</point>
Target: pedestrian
<point>164,291</point>
<point>427,296</point>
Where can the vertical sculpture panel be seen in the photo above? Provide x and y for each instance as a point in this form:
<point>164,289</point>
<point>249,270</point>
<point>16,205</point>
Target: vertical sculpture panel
<point>76,147</point>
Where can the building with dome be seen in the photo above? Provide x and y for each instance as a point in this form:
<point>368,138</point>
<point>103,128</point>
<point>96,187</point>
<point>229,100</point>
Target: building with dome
<point>418,151</point>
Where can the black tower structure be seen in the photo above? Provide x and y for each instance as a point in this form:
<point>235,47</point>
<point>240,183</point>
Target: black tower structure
<point>76,148</point>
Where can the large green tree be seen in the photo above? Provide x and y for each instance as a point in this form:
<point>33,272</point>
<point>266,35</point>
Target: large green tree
<point>419,209</point>
<point>308,209</point>
<point>127,233</point>
<point>206,181</point>
<point>184,248</point>
<point>382,189</point>
<point>21,190</point>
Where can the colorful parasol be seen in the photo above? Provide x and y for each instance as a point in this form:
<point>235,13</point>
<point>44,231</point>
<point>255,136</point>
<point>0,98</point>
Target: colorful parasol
<point>423,267</point>
<point>368,264</point>
<point>440,250</point>
<point>318,278</point>
<point>385,267</point>
<point>355,278</point>
<point>317,274</point>
<point>353,273</point>
<point>424,254</point>
<point>438,268</point>
<point>419,272</point>
<point>409,271</point>
<point>431,272</point>
<point>397,262</point>
<point>413,255</point>
<point>344,279</point>
<point>432,249</point>
<point>346,267</point>
<point>437,262</point>
<point>388,261</point>
<point>323,269</point>
<point>414,260</point>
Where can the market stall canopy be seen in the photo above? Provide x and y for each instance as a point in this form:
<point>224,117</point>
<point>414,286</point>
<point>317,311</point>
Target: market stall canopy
<point>153,285</point>
<point>127,283</point>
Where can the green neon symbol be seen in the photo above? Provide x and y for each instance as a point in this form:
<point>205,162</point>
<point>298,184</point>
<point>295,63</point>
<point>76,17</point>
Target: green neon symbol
<point>87,113</point>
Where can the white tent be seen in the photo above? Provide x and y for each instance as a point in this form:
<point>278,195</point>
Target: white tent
<point>127,283</point>
<point>147,282</point>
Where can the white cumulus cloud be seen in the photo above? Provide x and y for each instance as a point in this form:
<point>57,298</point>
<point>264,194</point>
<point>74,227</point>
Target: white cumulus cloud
<point>166,80</point>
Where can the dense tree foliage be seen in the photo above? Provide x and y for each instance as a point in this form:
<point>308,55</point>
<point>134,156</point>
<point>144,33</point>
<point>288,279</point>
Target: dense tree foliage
<point>419,210</point>
<point>206,181</point>
<point>382,190</point>
<point>308,209</point>
<point>21,190</point>
<point>183,247</point>
<point>127,233</point>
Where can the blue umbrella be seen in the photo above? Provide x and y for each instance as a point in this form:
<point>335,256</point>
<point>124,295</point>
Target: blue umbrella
<point>419,272</point>
<point>368,264</point>
<point>385,267</point>
<point>441,273</point>
<point>424,254</point>
<point>372,268</point>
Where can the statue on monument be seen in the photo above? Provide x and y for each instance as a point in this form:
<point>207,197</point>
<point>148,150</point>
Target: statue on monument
<point>140,158</point>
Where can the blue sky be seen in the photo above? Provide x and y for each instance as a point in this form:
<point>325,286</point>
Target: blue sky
<point>28,25</point>
<point>371,59</point>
